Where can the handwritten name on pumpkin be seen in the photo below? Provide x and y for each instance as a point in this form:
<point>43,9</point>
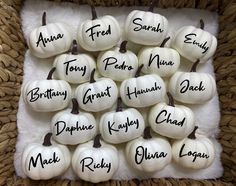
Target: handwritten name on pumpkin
<point>74,68</point>
<point>98,33</point>
<point>186,86</point>
<point>159,62</point>
<point>113,62</point>
<point>140,26</point>
<point>89,164</point>
<point>46,40</point>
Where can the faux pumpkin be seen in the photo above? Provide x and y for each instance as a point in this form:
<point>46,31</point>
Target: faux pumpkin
<point>195,43</point>
<point>146,27</point>
<point>73,127</point>
<point>192,87</point>
<point>45,161</point>
<point>118,63</point>
<point>47,95</point>
<point>97,95</point>
<point>121,125</point>
<point>147,153</point>
<point>159,60</point>
<point>142,91</point>
<point>74,68</point>
<point>194,152</point>
<point>99,33</point>
<point>49,39</point>
<point>173,121</point>
<point>95,161</point>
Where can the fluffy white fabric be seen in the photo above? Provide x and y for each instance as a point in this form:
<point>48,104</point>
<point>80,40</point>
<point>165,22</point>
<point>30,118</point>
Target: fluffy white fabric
<point>33,126</point>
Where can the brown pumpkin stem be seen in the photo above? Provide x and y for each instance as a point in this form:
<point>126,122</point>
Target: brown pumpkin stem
<point>123,47</point>
<point>50,73</point>
<point>75,106</point>
<point>47,140</point>
<point>44,19</point>
<point>94,13</point>
<point>138,71</point>
<point>194,67</point>
<point>164,42</point>
<point>192,135</point>
<point>96,141</point>
<point>119,103</point>
<point>152,5</point>
<point>147,133</point>
<point>74,49</point>
<point>202,25</point>
<point>92,80</point>
<point>171,100</point>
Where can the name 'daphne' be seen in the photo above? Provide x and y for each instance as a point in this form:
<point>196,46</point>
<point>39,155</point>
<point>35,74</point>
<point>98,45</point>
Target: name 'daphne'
<point>186,86</point>
<point>89,164</point>
<point>35,94</point>
<point>190,39</point>
<point>98,33</point>
<point>136,92</point>
<point>139,26</point>
<point>45,40</point>
<point>74,68</point>
<point>113,127</point>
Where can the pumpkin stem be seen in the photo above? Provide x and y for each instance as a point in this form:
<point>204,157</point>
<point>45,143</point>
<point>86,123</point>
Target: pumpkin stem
<point>94,13</point>
<point>119,103</point>
<point>96,141</point>
<point>123,47</point>
<point>44,19</point>
<point>74,49</point>
<point>50,73</point>
<point>164,42</point>
<point>202,25</point>
<point>171,100</point>
<point>152,5</point>
<point>192,135</point>
<point>92,80</point>
<point>47,140</point>
<point>194,67</point>
<point>138,71</point>
<point>75,107</point>
<point>147,133</point>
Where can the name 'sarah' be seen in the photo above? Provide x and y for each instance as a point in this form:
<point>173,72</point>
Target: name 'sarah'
<point>139,26</point>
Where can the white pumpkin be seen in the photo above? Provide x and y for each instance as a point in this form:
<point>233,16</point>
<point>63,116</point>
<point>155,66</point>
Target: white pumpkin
<point>118,64</point>
<point>159,60</point>
<point>192,87</point>
<point>99,33</point>
<point>74,68</point>
<point>47,95</point>
<point>194,152</point>
<point>49,39</point>
<point>97,95</point>
<point>195,43</point>
<point>146,27</point>
<point>45,161</point>
<point>73,127</point>
<point>142,91</point>
<point>147,153</point>
<point>95,161</point>
<point>121,125</point>
<point>173,121</point>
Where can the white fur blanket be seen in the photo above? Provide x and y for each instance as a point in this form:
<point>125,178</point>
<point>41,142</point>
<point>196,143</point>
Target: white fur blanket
<point>32,126</point>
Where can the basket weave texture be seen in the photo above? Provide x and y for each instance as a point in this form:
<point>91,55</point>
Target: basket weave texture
<point>13,48</point>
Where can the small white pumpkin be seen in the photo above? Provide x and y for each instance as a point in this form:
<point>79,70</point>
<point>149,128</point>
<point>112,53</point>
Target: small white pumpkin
<point>97,95</point>
<point>142,91</point>
<point>49,39</point>
<point>45,161</point>
<point>146,27</point>
<point>159,60</point>
<point>192,87</point>
<point>173,121</point>
<point>148,153</point>
<point>118,64</point>
<point>73,127</point>
<point>121,125</point>
<point>47,95</point>
<point>194,152</point>
<point>95,161</point>
<point>74,68</point>
<point>99,33</point>
<point>195,43</point>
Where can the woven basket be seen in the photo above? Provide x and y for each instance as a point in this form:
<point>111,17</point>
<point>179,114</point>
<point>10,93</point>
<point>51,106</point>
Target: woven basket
<point>12,50</point>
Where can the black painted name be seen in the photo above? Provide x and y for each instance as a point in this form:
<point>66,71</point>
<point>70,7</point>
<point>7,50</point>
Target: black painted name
<point>89,164</point>
<point>98,33</point>
<point>140,26</point>
<point>168,119</point>
<point>113,62</point>
<point>186,86</point>
<point>46,40</point>
<point>74,68</point>
<point>159,62</point>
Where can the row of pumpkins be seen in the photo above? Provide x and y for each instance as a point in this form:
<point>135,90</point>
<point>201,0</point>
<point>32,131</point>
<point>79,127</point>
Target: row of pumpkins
<point>97,160</point>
